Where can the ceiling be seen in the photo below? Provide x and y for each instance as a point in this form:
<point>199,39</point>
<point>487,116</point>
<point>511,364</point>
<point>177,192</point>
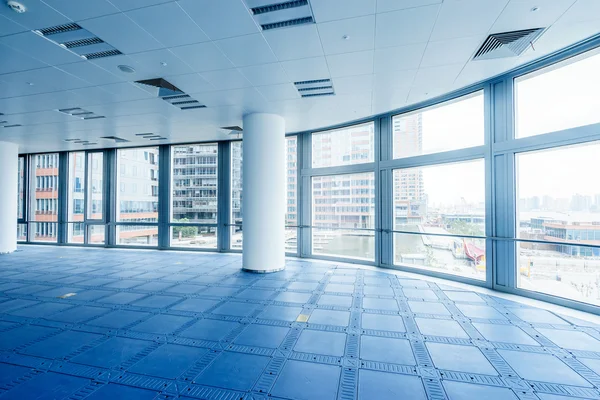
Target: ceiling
<point>379,54</point>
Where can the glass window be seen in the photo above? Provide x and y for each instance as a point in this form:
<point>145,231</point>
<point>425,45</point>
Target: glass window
<point>560,205</point>
<point>445,200</point>
<point>343,212</point>
<point>291,214</point>
<point>21,188</point>
<point>44,197</point>
<point>452,125</point>
<point>236,195</point>
<point>137,235</point>
<point>197,237</point>
<point>345,146</point>
<point>194,183</point>
<point>135,205</point>
<point>561,96</point>
<point>22,232</point>
<point>95,195</point>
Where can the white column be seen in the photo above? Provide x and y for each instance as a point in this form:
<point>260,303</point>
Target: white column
<point>9,186</point>
<point>263,196</point>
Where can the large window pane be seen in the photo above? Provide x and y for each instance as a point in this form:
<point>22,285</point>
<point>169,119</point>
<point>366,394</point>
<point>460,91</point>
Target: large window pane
<point>137,235</point>
<point>236,195</point>
<point>76,204</point>
<point>453,125</point>
<point>562,96</point>
<point>137,185</point>
<point>194,183</point>
<point>96,234</point>
<point>21,193</point>
<point>95,195</point>
<point>447,199</point>
<point>197,237</point>
<point>44,197</point>
<point>345,146</point>
<point>22,232</point>
<point>291,215</point>
<point>560,205</point>
<point>344,201</point>
<point>75,232</point>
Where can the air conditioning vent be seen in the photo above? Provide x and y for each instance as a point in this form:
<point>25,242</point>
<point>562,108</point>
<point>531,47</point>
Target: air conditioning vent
<point>288,23</point>
<point>12,126</point>
<point>232,128</point>
<point>101,54</point>
<point>279,6</point>
<point>95,117</point>
<point>144,134</point>
<point>193,107</point>
<point>316,87</point>
<point>82,42</point>
<point>115,138</point>
<point>507,44</point>
<point>53,30</point>
<point>180,103</point>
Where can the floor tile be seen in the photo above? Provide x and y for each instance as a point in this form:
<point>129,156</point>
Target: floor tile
<point>534,315</point>
<point>112,353</point>
<point>333,300</point>
<point>319,342</point>
<point>391,323</point>
<point>233,371</point>
<point>461,391</point>
<point>282,313</point>
<point>461,296</point>
<point>162,324</point>
<point>484,312</point>
<point>387,350</point>
<point>122,298</point>
<point>120,392</point>
<point>440,327</point>
<point>307,381</point>
<point>428,307</point>
<point>571,339</point>
<point>48,386</point>
<point>293,297</point>
<point>459,358</point>
<point>235,309</point>
<point>209,329</point>
<point>168,361</point>
<point>118,319</point>
<point>329,317</point>
<point>195,305</point>
<point>262,336</point>
<point>61,345</point>
<point>386,386</point>
<point>157,301</point>
<point>22,335</point>
<point>423,294</point>
<point>380,304</point>
<point>41,310</point>
<point>505,334</point>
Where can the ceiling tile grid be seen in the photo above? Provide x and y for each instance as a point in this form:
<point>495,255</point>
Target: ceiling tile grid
<point>379,54</point>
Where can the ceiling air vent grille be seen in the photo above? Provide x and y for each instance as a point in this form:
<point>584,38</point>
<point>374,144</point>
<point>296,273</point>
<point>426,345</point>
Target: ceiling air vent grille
<point>172,94</point>
<point>279,6</point>
<point>53,30</point>
<point>193,107</point>
<point>285,24</point>
<point>12,126</point>
<point>79,112</point>
<point>317,87</point>
<point>82,42</point>
<point>102,54</point>
<point>507,44</point>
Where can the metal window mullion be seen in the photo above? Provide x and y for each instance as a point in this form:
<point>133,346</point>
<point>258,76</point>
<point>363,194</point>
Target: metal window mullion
<point>304,197</point>
<point>299,190</point>
<point>223,196</point>
<point>489,200</point>
<point>110,192</point>
<point>339,170</point>
<point>63,199</point>
<point>377,257</point>
<point>164,196</point>
<point>86,182</point>
<point>385,192</point>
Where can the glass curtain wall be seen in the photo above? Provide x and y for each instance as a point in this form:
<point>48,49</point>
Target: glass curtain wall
<point>21,201</point>
<point>236,238</point>
<point>44,198</point>
<point>137,197</point>
<point>194,187</point>
<point>291,215</point>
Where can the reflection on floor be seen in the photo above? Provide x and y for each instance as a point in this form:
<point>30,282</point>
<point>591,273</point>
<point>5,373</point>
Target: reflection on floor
<point>94,323</point>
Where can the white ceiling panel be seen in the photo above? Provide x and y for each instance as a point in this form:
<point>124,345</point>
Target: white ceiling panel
<point>306,69</point>
<point>451,51</point>
<point>221,19</point>
<point>169,24</point>
<point>13,61</point>
<point>295,42</point>
<point>111,64</point>
<point>125,5</point>
<point>436,77</point>
<point>20,88</point>
<point>520,15</point>
<point>161,62</point>
<point>353,84</point>
<point>154,106</point>
<point>48,79</point>
<point>80,10</point>
<point>39,15</point>
<point>399,58</point>
<point>479,70</point>
<point>461,18</point>
<point>392,5</point>
<point>390,80</point>
<point>275,93</point>
<point>265,74</point>
<point>40,48</point>
<point>582,10</point>
<point>9,27</point>
<point>39,102</point>
<point>121,32</point>
<point>226,79</point>
<point>94,95</point>
<point>386,99</point>
<point>418,94</point>
<point>91,73</point>
<point>191,83</point>
<point>348,35</point>
<point>359,63</point>
<point>330,10</point>
<point>404,27</point>
<point>126,91</point>
<point>247,50</point>
<point>248,98</point>
<point>203,57</point>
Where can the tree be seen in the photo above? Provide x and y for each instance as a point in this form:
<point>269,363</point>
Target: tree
<point>459,227</point>
<point>186,231</point>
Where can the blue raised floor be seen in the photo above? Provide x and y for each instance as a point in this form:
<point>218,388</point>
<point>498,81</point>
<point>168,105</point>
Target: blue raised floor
<point>163,325</point>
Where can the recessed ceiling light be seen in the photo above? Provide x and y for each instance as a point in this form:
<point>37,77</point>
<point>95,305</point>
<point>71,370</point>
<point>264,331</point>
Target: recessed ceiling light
<point>16,6</point>
<point>534,9</point>
<point>346,37</point>
<point>126,68</point>
<point>29,83</point>
<point>164,64</point>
